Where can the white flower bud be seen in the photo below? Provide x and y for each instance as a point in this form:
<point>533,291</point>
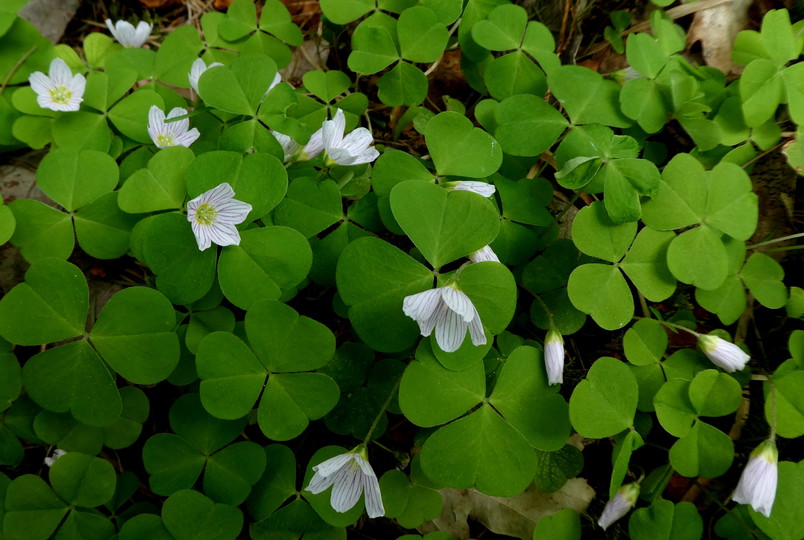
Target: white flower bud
<point>757,485</point>
<point>723,354</point>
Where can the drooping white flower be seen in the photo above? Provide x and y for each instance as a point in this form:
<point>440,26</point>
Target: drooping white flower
<point>289,146</point>
<point>165,134</point>
<point>128,36</point>
<point>481,188</point>
<point>213,216</point>
<point>350,475</point>
<point>554,357</point>
<point>56,454</point>
<point>623,501</point>
<point>450,312</point>
<point>723,354</point>
<point>757,485</point>
<point>483,254</point>
<point>353,149</point>
<point>61,90</point>
<point>197,69</point>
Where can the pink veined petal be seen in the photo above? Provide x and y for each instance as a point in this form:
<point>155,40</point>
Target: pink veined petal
<point>233,213</point>
<point>60,72</point>
<point>40,83</point>
<point>450,331</point>
<point>201,235</point>
<point>373,497</point>
<point>219,194</point>
<point>340,156</point>
<point>347,489</point>
<point>459,303</point>
<point>476,332</point>
<point>366,156</point>
<point>421,306</point>
<point>188,138</point>
<point>179,127</point>
<point>319,483</point>
<point>333,464</point>
<point>156,118</point>
<point>223,234</point>
<point>357,141</point>
<point>315,145</point>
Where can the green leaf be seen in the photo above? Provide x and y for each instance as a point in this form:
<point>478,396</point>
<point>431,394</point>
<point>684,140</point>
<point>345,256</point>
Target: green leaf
<point>176,55</point>
<point>666,520</point>
<point>731,206</point>
<point>682,196</point>
<point>373,49</point>
<point>50,305</point>
<point>622,457</point>
<point>645,55</point>
<point>587,96</point>
<point>787,405</point>
<point>525,399</point>
<point>189,515</point>
<point>291,400</point>
<point>410,504</point>
<point>172,463</point>
<point>268,262</point>
<point>714,393</point>
<point>277,484</point>
<point>103,230</point>
<point>73,378</point>
<point>553,469</point>
<point>513,74</point>
<point>345,11</point>
<point>183,273</point>
<point>624,181</point>
<point>430,394</point>
<point>405,84</point>
<point>527,125</point>
<point>503,29</point>
<point>496,459</point>
<point>675,411</point>
<point>41,231</point>
<point>698,257</point>
<point>437,220</point>
<point>645,342</point>
<point>646,264</point>
<point>642,100</point>
<point>83,480</point>
<point>135,335</point>
<point>240,87</point>
<point>595,234</point>
<point>492,289</point>
<point>284,341</point>
<point>159,187</point>
<point>75,178</point>
<point>275,19</point>
<point>33,511</point>
<point>601,291</point>
<point>761,91</point>
<point>311,206</point>
<point>422,37</point>
<point>525,200</point>
<point>763,276</point>
<point>130,115</point>
<point>704,451</point>
<point>326,85</point>
<point>604,403</point>
<point>460,149</point>
<point>231,472</point>
<point>373,278</point>
<point>786,521</point>
<point>563,525</point>
<point>82,131</point>
<point>10,380</point>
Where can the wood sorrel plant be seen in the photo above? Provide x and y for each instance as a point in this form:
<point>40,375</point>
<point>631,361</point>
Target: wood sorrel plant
<point>300,298</point>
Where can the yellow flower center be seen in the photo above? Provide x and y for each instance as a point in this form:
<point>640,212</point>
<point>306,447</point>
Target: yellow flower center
<point>205,214</point>
<point>166,139</point>
<point>60,95</point>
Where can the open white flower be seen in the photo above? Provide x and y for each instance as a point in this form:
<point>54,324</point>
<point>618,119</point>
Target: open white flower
<point>723,354</point>
<point>197,69</point>
<point>484,254</point>
<point>554,357</point>
<point>166,134</point>
<point>450,312</point>
<point>353,149</point>
<point>128,36</point>
<point>481,188</point>
<point>757,485</point>
<point>623,501</point>
<point>56,454</point>
<point>213,216</point>
<point>61,91</point>
<point>350,475</point>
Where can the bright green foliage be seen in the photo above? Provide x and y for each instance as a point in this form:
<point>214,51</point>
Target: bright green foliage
<point>666,519</point>
<point>408,502</point>
<point>460,149</point>
<point>605,402</point>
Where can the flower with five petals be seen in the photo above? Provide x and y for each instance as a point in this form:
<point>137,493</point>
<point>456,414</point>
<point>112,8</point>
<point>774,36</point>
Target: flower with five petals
<point>353,149</point>
<point>349,475</point>
<point>61,90</point>
<point>213,216</point>
<point>128,36</point>
<point>165,134</point>
<point>450,312</point>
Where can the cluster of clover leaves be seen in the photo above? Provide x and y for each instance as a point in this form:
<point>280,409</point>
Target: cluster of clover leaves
<point>216,330</point>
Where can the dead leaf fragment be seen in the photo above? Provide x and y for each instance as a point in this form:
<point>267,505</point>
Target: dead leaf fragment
<point>715,28</point>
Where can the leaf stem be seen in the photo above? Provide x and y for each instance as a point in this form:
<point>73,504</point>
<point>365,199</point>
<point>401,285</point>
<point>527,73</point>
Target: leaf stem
<point>775,240</point>
<point>382,411</point>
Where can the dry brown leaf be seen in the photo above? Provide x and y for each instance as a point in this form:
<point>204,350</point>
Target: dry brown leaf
<point>715,28</point>
<point>511,516</point>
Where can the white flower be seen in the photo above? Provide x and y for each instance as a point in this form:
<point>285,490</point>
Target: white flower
<point>723,354</point>
<point>51,459</point>
<point>289,146</point>
<point>197,69</point>
<point>61,91</point>
<point>484,254</point>
<point>481,188</point>
<point>350,475</point>
<point>165,134</point>
<point>623,501</point>
<point>757,485</point>
<point>353,149</point>
<point>313,147</point>
<point>213,216</point>
<point>128,36</point>
<point>450,312</point>
<point>554,357</point>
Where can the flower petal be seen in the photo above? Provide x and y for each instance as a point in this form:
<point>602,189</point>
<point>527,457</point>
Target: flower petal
<point>459,303</point>
<point>450,330</point>
<point>373,497</point>
<point>421,306</point>
<point>347,488</point>
<point>333,464</point>
<point>332,131</point>
<point>319,483</point>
